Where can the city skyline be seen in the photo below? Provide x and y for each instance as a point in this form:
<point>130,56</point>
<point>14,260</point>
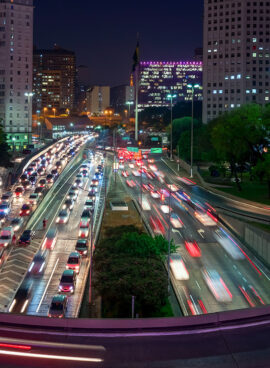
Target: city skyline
<point>103,35</point>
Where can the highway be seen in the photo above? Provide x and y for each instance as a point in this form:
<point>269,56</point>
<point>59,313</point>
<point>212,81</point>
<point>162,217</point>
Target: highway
<point>17,258</point>
<point>45,287</point>
<point>225,275</point>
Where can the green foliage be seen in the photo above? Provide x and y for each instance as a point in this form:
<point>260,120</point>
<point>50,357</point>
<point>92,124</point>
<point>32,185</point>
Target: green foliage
<point>4,149</point>
<point>130,263</point>
<point>262,170</point>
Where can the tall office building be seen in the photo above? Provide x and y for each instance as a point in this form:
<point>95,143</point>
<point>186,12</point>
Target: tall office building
<point>54,76</point>
<point>236,54</point>
<point>16,61</point>
<point>98,99</point>
<point>158,79</point>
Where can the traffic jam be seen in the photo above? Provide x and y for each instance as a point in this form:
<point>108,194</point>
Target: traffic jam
<point>80,254</point>
<point>169,207</point>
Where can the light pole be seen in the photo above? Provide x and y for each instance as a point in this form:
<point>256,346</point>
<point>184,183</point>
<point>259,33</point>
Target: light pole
<point>54,110</point>
<point>169,239</point>
<point>129,103</point>
<point>29,96</point>
<point>192,86</point>
<point>171,96</point>
<point>13,139</point>
<point>71,127</point>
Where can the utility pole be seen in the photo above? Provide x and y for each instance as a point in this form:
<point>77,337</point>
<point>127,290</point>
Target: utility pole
<point>91,260</point>
<point>192,86</point>
<point>132,306</point>
<point>169,241</point>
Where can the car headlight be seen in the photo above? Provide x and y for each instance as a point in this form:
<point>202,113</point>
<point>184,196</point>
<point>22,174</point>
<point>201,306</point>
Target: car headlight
<point>85,252</point>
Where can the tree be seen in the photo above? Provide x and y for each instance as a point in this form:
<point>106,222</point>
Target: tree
<point>262,170</point>
<point>238,135</point>
<point>4,149</point>
<point>128,262</point>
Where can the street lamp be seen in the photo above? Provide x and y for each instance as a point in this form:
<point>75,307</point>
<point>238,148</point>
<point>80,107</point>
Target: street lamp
<point>129,103</point>
<point>54,110</point>
<point>170,96</point>
<point>14,139</point>
<point>192,86</point>
<point>29,96</point>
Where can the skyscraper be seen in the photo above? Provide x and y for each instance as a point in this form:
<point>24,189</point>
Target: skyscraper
<point>158,79</point>
<point>98,99</point>
<point>16,62</point>
<point>54,78</point>
<point>236,54</point>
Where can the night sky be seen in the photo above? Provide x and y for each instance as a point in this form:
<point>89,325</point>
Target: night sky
<point>103,33</point>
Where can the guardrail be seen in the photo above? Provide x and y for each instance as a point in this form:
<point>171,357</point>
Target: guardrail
<point>75,327</point>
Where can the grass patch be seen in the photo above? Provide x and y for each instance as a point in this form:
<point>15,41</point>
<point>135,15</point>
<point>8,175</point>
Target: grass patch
<point>251,190</point>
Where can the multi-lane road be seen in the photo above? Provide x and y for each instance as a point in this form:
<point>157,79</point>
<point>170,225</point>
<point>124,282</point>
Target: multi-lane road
<point>219,274</point>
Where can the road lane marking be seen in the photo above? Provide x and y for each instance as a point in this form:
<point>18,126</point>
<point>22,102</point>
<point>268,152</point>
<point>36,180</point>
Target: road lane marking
<point>198,284</point>
<point>41,300</point>
<point>201,232</point>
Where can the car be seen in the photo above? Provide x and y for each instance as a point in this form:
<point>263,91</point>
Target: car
<point>77,183</point>
<point>93,188</point>
<point>29,171</point>
<point>178,267</point>
<point>18,192</point>
<point>92,196</point>
<point>23,177</point>
<point>94,182</point>
<point>89,205</point>
<point>176,221</point>
<point>58,306</point>
<point>32,180</point>
<point>16,223</point>
<point>217,285</point>
<point>50,238</point>
<point>97,175</point>
<point>38,264</point>
<point>26,184</point>
<point>6,236</point>
<point>85,173</point>
<point>79,176</point>
<point>42,183</point>
<point>131,166</point>
<point>83,167</point>
<point>63,216</point>
<point>72,195</point>
<point>82,246</point>
<point>136,173</point>
<point>84,228</point>
<point>6,197</point>
<point>5,208</point>
<point>39,191</point>
<point>130,183</point>
<point>74,262</point>
<point>165,208</point>
<point>50,178</point>
<point>26,237</point>
<point>3,218</point>
<point>155,194</point>
<point>69,204</point>
<point>193,248</point>
<point>54,172</point>
<point>67,282</point>
<point>125,173</point>
<point>157,226</point>
<point>25,210</point>
<point>204,218</point>
<point>22,297</point>
<point>33,198</point>
<point>41,170</point>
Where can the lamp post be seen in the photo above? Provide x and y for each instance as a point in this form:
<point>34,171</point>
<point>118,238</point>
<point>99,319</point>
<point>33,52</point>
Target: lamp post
<point>71,127</point>
<point>13,139</point>
<point>171,96</point>
<point>129,103</point>
<point>169,239</point>
<point>192,86</point>
<point>54,110</point>
<point>29,96</point>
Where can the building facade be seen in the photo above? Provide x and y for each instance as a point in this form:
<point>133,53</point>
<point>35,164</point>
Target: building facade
<point>158,79</point>
<point>16,63</point>
<point>97,99</point>
<point>236,55</point>
<point>121,97</point>
<point>54,75</point>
